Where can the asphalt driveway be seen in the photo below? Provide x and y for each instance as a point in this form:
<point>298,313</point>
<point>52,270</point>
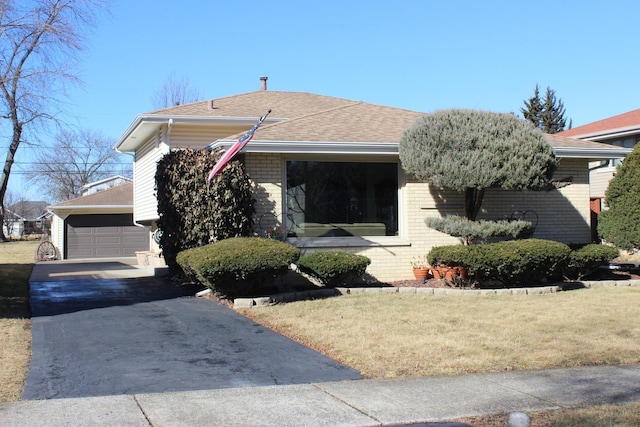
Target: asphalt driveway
<point>106,328</point>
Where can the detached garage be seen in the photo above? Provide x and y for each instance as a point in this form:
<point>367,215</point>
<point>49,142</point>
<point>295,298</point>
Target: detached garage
<point>99,225</point>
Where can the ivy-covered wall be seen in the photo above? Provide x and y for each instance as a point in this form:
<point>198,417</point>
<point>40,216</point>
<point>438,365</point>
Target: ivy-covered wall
<point>193,212</point>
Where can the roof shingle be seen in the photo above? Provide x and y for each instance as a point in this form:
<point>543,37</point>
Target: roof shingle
<point>621,121</point>
<point>121,195</point>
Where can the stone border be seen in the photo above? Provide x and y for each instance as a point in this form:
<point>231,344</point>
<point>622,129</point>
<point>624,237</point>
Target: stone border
<point>240,303</point>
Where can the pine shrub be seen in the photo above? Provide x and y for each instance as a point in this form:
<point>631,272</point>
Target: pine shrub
<point>620,224</point>
<point>483,230</point>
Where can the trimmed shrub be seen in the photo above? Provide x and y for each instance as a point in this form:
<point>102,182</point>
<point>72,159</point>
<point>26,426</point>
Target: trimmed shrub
<point>514,263</point>
<point>238,266</point>
<point>468,231</point>
<point>334,268</point>
<point>586,259</point>
<point>620,224</point>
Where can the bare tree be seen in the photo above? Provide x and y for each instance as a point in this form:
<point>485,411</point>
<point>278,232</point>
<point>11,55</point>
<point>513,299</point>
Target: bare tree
<point>77,159</point>
<point>175,92</point>
<point>40,41</point>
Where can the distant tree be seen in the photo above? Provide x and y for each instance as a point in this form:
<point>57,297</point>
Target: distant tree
<point>533,109</point>
<point>470,151</point>
<point>548,114</point>
<point>620,224</point>
<point>77,159</point>
<point>40,42</point>
<point>552,117</point>
<point>175,92</point>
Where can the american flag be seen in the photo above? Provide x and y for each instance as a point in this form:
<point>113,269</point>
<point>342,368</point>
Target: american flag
<point>235,148</point>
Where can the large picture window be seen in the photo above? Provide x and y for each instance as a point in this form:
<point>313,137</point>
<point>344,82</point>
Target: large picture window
<point>334,199</point>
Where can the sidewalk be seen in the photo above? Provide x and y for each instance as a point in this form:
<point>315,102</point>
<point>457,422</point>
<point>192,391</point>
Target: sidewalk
<point>347,403</point>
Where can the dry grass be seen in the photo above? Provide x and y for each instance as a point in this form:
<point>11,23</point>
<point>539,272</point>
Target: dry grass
<point>388,335</point>
<point>394,335</point>
<point>594,416</point>
<point>16,263</point>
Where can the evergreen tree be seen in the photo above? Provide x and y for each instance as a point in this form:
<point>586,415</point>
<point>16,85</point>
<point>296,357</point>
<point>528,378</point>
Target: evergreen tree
<point>470,151</point>
<point>552,117</point>
<point>620,224</point>
<point>548,114</point>
<point>533,108</point>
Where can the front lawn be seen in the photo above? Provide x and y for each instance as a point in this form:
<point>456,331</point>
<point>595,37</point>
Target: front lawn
<point>400,335</point>
<point>16,263</point>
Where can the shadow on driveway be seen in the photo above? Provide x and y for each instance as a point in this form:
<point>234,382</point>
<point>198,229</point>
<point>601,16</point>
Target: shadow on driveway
<point>95,337</point>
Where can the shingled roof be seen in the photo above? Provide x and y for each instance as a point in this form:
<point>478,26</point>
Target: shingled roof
<point>629,121</point>
<point>284,105</point>
<point>306,119</point>
<point>121,195</point>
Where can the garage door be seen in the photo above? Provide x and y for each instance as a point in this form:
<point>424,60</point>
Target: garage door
<point>104,236</point>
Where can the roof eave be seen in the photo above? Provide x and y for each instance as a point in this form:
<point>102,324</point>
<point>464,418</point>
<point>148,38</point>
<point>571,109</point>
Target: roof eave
<point>591,153</point>
<point>391,148</point>
<point>609,133</point>
<point>145,125</point>
<point>313,147</point>
<point>55,208</point>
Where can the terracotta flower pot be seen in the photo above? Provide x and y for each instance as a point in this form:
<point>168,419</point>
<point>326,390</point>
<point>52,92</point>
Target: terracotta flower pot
<point>450,273</point>
<point>421,274</point>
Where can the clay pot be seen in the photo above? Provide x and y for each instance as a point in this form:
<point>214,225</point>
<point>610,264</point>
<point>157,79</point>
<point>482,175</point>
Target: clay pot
<point>450,273</point>
<point>422,274</point>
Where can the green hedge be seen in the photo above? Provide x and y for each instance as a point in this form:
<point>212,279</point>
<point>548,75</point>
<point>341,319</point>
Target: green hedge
<point>514,263</point>
<point>584,260</point>
<point>334,268</point>
<point>238,266</point>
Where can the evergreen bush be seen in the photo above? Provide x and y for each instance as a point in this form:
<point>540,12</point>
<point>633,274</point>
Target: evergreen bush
<point>483,230</point>
<point>620,224</point>
<point>470,151</point>
<point>514,263</point>
<point>238,266</point>
<point>334,268</point>
<point>586,259</point>
<point>194,212</point>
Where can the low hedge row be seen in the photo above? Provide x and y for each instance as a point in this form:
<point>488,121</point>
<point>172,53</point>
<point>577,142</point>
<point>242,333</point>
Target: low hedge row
<point>523,262</point>
<point>242,266</point>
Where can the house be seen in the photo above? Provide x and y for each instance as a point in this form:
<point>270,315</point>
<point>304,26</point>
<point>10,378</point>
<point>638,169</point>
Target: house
<point>26,217</point>
<point>104,184</point>
<point>327,171</point>
<point>98,225</point>
<point>622,130</point>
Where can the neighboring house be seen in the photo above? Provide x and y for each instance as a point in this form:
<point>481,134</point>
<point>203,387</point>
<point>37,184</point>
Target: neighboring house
<point>99,225</point>
<point>327,170</point>
<point>622,130</point>
<point>104,184</point>
<point>25,218</point>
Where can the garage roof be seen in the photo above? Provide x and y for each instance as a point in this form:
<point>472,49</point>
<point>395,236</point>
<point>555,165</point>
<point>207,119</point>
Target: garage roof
<point>120,197</point>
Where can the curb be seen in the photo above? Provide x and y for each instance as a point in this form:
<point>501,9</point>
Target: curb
<point>265,301</point>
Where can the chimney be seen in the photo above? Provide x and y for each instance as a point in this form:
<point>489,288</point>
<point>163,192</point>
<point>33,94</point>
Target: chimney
<point>263,82</point>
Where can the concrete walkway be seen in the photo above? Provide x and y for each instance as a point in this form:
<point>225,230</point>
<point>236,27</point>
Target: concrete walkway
<point>414,401</point>
<point>345,403</point>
